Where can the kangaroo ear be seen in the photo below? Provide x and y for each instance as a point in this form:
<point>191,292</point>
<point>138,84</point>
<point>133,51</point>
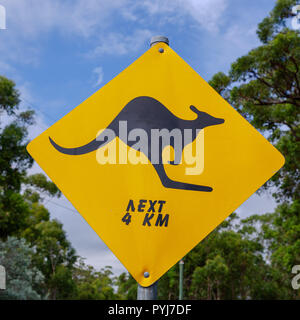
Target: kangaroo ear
<point>193,108</point>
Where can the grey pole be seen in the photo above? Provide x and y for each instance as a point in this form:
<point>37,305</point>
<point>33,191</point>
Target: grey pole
<point>157,39</point>
<point>181,263</point>
<point>147,293</point>
<point>2,278</point>
<point>150,293</point>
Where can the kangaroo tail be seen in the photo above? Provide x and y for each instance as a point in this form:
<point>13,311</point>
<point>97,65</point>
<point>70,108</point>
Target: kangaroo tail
<point>100,141</point>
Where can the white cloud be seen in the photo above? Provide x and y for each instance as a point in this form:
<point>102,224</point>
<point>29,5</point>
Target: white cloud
<point>27,102</point>
<point>85,17</point>
<point>82,17</point>
<point>206,13</point>
<point>39,127</point>
<point>257,204</point>
<point>99,74</point>
<point>28,20</point>
<point>241,36</point>
<point>25,93</point>
<point>119,44</point>
<point>5,68</point>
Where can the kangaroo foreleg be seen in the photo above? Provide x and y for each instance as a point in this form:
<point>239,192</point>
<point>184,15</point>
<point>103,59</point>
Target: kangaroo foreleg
<point>177,156</point>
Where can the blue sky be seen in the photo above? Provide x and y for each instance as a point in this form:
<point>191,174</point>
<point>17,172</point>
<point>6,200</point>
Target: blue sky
<point>59,52</point>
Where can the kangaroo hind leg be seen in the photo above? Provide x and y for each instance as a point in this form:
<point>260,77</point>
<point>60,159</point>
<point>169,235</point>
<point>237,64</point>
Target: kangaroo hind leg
<point>169,183</point>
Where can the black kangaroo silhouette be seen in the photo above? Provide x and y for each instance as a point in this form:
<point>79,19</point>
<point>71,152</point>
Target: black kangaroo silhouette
<point>148,113</point>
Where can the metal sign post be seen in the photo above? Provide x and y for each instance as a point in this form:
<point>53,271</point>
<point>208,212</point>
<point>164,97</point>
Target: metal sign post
<point>154,40</point>
<point>181,263</point>
<point>147,293</point>
<point>2,278</point>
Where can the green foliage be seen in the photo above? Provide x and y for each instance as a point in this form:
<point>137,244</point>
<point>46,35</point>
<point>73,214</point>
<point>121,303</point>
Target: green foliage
<point>276,20</point>
<point>40,182</point>
<point>220,82</point>
<point>22,213</point>
<point>208,277</point>
<point>14,159</point>
<point>127,287</point>
<point>9,96</point>
<point>233,262</point>
<point>22,276</point>
<point>280,234</point>
<point>60,283</point>
<point>13,213</point>
<point>14,162</point>
<point>54,255</point>
<point>168,284</point>
<point>92,284</point>
<point>264,86</point>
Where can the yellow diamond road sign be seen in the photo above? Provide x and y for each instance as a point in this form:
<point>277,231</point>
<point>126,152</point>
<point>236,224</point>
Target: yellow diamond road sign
<point>108,157</point>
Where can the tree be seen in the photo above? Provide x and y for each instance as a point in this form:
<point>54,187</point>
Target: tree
<point>9,96</point>
<point>169,283</point>
<point>92,284</point>
<point>264,86</point>
<point>22,276</point>
<point>14,161</point>
<point>127,286</point>
<point>279,234</point>
<point>228,264</point>
<point>21,211</point>
<point>207,279</point>
<point>54,256</point>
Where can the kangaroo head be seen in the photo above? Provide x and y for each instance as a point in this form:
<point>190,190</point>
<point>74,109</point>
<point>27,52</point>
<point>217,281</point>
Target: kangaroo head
<point>204,119</point>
